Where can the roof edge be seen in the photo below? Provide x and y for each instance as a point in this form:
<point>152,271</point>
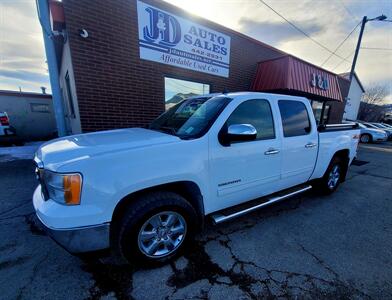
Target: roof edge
<point>24,94</point>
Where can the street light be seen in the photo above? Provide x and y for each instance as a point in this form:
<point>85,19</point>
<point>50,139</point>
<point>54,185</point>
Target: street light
<point>364,21</point>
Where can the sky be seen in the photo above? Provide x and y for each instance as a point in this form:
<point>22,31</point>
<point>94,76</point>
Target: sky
<point>22,56</point>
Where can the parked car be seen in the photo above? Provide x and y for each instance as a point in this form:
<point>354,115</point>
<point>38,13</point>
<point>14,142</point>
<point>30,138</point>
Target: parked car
<point>387,129</point>
<point>369,134</point>
<point>387,125</point>
<point>145,192</point>
<point>7,132</point>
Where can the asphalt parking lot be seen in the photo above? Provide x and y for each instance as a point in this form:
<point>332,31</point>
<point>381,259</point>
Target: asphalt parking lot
<point>338,246</point>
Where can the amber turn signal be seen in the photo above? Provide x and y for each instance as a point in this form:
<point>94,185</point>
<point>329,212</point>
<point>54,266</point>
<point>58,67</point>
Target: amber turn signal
<point>72,187</point>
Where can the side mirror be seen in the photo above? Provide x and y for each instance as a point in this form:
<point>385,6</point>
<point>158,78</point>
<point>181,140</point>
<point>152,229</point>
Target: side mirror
<point>237,133</point>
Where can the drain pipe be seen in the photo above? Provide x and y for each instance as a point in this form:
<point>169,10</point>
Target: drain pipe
<point>43,16</point>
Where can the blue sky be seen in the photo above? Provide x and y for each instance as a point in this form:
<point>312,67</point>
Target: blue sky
<point>22,57</point>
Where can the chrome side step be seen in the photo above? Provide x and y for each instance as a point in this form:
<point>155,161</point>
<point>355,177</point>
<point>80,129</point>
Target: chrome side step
<point>221,217</point>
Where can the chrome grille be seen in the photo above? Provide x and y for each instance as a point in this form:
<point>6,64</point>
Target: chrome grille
<point>39,173</point>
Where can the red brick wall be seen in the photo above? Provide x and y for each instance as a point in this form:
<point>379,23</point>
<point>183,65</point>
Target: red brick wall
<point>115,88</point>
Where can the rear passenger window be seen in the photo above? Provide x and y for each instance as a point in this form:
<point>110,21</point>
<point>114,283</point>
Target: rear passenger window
<point>257,113</point>
<point>295,118</point>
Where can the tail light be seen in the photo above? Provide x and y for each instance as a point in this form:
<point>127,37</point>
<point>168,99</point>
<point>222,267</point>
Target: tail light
<point>4,121</point>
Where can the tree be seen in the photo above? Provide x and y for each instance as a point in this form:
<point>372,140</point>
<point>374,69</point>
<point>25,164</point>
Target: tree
<point>372,105</point>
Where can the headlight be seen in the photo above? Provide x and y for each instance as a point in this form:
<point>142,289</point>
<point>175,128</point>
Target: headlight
<point>63,188</point>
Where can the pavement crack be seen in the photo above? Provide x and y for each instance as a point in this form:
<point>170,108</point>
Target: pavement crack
<point>16,216</point>
<point>319,261</point>
<point>15,207</point>
<point>32,277</point>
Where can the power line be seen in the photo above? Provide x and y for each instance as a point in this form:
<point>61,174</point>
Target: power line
<point>381,49</point>
<point>342,42</point>
<point>338,65</point>
<point>348,10</point>
<point>300,30</point>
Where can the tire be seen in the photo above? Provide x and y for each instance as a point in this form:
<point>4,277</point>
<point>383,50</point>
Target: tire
<point>332,177</point>
<point>154,229</point>
<point>365,138</point>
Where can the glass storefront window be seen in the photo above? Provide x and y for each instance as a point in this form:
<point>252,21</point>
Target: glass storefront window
<point>321,111</point>
<point>177,90</point>
<point>317,107</point>
<point>326,113</point>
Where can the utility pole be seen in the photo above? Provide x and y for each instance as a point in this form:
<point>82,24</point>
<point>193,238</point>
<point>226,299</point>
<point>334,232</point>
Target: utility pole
<point>43,15</point>
<point>364,20</point>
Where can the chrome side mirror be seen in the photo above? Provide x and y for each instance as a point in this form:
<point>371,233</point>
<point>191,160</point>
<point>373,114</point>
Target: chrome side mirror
<point>242,130</point>
<point>238,133</point>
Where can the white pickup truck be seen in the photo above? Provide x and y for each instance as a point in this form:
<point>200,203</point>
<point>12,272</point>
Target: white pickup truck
<point>145,192</point>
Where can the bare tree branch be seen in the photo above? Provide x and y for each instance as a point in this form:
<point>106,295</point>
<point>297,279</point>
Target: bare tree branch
<point>372,104</point>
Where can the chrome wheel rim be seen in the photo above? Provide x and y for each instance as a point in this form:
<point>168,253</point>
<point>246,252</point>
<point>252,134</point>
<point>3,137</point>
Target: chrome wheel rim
<point>364,138</point>
<point>162,234</point>
<point>334,177</point>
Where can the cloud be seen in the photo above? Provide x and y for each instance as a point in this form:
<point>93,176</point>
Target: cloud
<point>22,55</point>
<point>276,33</point>
<point>23,75</point>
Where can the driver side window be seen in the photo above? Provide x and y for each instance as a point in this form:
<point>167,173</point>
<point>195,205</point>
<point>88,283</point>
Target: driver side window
<point>257,113</point>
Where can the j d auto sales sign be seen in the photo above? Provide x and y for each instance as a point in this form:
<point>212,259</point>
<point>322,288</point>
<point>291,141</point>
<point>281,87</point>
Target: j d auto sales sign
<point>173,40</point>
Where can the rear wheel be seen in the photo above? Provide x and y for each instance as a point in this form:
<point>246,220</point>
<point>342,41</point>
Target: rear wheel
<point>155,228</point>
<point>365,138</point>
<point>332,177</point>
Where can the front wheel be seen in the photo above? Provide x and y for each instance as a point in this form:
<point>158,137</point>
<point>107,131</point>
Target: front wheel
<point>155,228</point>
<point>365,138</point>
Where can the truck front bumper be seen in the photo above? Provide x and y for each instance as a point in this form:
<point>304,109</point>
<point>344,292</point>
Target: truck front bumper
<point>75,239</point>
<point>81,239</point>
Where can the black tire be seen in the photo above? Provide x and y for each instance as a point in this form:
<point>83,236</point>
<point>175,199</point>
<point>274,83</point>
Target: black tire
<point>324,184</point>
<point>126,232</point>
<point>365,138</point>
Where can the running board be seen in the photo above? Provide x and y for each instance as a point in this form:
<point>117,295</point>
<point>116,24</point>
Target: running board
<point>233,213</point>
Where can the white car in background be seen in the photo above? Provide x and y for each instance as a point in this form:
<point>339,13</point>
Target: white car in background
<point>385,128</point>
<point>371,135</point>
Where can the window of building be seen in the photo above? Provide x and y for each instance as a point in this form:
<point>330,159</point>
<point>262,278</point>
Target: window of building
<point>317,107</point>
<point>39,107</point>
<point>257,113</point>
<point>325,117</point>
<point>69,96</point>
<point>295,118</point>
<point>321,111</point>
<point>177,90</point>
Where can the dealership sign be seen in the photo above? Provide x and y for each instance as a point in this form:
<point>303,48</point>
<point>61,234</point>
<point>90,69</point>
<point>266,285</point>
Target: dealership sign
<point>319,81</point>
<point>172,40</point>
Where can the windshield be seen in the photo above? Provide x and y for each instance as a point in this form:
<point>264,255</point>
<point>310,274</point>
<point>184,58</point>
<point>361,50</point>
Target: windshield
<point>190,118</point>
<point>361,125</point>
<point>368,125</point>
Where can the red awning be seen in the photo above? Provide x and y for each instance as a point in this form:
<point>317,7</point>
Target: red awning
<point>294,76</point>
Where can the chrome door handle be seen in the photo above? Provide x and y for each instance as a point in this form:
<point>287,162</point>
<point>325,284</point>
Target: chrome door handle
<point>271,151</point>
<point>310,145</point>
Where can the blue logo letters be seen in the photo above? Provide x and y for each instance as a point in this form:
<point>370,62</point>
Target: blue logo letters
<point>163,28</point>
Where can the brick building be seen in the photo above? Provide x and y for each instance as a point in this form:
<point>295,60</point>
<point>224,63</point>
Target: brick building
<point>121,61</point>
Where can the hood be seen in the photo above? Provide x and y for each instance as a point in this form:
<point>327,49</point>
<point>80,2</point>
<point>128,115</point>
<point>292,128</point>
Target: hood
<point>76,147</point>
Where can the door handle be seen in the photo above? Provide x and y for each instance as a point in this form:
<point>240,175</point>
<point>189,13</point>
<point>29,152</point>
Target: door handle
<point>271,151</point>
<point>310,145</point>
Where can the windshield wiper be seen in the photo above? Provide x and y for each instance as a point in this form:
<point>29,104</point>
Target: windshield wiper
<point>169,130</point>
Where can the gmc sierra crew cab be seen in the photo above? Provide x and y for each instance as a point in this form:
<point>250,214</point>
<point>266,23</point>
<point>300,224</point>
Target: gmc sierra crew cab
<point>145,192</point>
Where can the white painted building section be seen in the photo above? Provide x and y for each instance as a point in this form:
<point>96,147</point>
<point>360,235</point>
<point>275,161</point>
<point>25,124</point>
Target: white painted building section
<point>354,98</point>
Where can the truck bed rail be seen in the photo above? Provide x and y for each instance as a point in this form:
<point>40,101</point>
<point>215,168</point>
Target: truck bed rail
<point>337,127</point>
